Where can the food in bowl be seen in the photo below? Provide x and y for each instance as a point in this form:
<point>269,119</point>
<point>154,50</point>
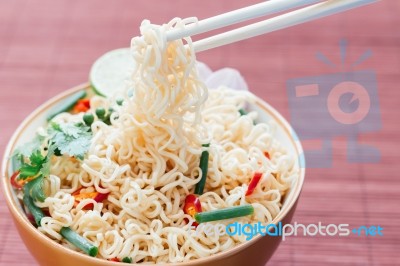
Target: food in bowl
<point>132,177</point>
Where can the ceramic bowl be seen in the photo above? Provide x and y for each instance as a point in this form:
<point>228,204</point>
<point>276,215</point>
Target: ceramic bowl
<point>255,252</point>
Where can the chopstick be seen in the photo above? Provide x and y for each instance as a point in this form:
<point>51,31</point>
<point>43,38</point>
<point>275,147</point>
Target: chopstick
<point>258,10</point>
<point>293,18</point>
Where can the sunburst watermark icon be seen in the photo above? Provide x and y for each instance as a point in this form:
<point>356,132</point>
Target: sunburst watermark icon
<point>342,103</point>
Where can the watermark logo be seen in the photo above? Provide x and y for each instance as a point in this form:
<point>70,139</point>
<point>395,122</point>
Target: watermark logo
<point>337,104</point>
<point>249,231</point>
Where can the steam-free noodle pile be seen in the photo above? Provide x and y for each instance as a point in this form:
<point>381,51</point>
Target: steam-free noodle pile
<point>147,159</point>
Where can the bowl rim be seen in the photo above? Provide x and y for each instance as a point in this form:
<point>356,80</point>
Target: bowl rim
<point>15,210</point>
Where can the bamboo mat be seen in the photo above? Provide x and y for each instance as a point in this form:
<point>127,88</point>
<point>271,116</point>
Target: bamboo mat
<point>48,46</point>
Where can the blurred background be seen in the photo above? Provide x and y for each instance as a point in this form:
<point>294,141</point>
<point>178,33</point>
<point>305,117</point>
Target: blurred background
<point>48,46</point>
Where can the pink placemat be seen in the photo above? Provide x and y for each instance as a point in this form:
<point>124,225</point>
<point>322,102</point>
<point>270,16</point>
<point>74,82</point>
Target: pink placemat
<point>48,46</point>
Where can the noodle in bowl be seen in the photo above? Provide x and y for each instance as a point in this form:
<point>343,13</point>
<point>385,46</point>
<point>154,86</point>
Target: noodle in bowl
<point>147,161</point>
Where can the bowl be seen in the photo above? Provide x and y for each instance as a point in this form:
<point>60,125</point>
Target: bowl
<point>255,252</point>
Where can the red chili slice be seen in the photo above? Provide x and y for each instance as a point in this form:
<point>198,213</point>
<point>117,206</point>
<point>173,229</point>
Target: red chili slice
<point>101,196</point>
<point>18,183</point>
<point>13,181</point>
<point>114,259</point>
<point>97,196</point>
<point>192,206</point>
<point>82,105</point>
<point>30,218</point>
<point>267,155</point>
<point>253,183</point>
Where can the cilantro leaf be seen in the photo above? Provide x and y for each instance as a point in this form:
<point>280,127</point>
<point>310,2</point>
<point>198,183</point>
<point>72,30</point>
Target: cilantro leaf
<point>38,164</point>
<point>16,161</point>
<point>71,139</point>
<point>71,130</point>
<point>28,148</point>
<point>33,168</point>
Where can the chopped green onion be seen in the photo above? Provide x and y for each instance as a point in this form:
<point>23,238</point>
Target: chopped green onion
<point>127,260</point>
<point>79,241</point>
<point>88,118</point>
<point>204,169</point>
<point>34,189</point>
<point>106,119</point>
<point>33,209</point>
<point>242,111</point>
<point>100,112</point>
<point>67,105</point>
<point>57,152</point>
<point>222,214</point>
<point>120,102</point>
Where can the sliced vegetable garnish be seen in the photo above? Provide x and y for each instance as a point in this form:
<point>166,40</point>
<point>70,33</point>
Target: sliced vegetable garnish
<point>222,214</point>
<point>107,118</point>
<point>79,241</point>
<point>67,105</point>
<point>96,196</point>
<point>192,206</point>
<point>36,212</point>
<point>120,102</point>
<point>266,154</point>
<point>88,119</point>
<point>109,72</point>
<point>253,183</point>
<point>204,169</point>
<point>242,111</point>
<point>34,189</point>
<point>15,183</point>
<point>127,260</point>
<point>18,183</point>
<point>82,105</point>
<point>30,217</point>
<point>100,112</point>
